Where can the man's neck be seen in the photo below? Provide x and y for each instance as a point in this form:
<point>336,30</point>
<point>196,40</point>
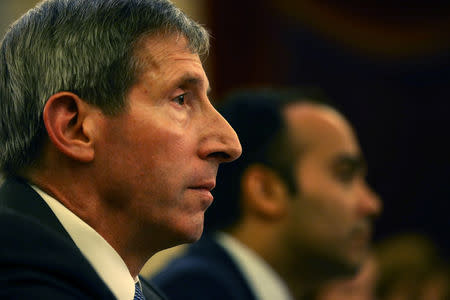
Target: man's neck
<point>108,221</point>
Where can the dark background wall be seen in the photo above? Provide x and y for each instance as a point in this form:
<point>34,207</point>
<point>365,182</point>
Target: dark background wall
<point>387,66</point>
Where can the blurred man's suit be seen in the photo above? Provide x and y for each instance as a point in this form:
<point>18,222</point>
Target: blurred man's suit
<point>206,269</point>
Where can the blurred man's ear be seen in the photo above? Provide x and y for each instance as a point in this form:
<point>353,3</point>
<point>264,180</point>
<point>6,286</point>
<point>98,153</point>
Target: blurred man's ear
<point>264,193</point>
<point>66,118</point>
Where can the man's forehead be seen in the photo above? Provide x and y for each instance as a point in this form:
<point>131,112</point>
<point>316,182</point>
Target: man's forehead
<point>305,114</point>
<point>156,48</point>
<point>319,127</point>
<point>170,57</point>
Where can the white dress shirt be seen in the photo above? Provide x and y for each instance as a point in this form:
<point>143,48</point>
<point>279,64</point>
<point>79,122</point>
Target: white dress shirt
<point>263,281</point>
<point>104,259</point>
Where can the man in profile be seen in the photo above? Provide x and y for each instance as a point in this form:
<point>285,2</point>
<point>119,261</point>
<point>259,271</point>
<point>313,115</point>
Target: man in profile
<point>293,212</point>
<point>109,146</point>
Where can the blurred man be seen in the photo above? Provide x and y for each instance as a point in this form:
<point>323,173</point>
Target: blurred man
<point>293,212</point>
<point>109,144</point>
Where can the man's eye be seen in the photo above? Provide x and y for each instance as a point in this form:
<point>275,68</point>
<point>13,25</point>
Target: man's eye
<point>345,174</point>
<point>179,99</point>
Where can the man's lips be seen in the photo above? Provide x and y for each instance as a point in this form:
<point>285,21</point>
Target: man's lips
<point>204,191</point>
<point>361,235</point>
<point>207,186</point>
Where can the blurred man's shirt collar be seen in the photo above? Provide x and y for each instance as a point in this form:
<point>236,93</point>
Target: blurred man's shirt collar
<point>264,282</point>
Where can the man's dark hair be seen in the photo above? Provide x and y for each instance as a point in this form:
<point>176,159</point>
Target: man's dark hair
<point>87,47</point>
<point>257,117</point>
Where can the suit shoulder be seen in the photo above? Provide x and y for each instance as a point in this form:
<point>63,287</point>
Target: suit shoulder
<point>195,276</point>
<point>40,263</point>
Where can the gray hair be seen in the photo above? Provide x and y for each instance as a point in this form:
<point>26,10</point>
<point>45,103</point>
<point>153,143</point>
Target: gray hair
<point>83,46</point>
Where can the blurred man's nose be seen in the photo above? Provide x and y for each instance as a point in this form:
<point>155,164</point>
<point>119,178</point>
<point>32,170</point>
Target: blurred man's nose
<point>370,202</point>
<point>220,141</point>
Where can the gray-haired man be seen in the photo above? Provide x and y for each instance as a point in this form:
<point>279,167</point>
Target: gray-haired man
<point>109,145</point>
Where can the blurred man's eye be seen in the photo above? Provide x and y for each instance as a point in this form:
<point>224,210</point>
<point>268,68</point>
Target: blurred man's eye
<point>345,173</point>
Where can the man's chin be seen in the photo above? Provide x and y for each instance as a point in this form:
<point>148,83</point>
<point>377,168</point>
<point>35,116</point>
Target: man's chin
<point>189,236</point>
<point>332,268</point>
<point>347,268</point>
<point>354,262</point>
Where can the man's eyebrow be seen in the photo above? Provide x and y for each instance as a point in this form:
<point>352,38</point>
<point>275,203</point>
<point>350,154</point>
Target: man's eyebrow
<point>192,79</point>
<point>356,162</point>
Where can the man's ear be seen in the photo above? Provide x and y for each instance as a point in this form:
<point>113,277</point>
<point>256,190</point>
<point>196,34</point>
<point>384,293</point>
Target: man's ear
<point>65,118</point>
<point>264,192</point>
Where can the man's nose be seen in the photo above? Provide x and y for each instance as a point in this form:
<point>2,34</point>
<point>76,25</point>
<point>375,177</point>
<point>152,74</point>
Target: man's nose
<point>370,202</point>
<point>220,141</point>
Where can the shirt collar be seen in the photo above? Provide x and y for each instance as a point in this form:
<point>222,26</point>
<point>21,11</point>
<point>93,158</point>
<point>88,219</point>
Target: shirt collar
<point>104,259</point>
<point>264,282</point>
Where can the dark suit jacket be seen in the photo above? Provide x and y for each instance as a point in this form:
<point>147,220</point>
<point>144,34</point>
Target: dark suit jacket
<point>205,272</point>
<point>38,259</point>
